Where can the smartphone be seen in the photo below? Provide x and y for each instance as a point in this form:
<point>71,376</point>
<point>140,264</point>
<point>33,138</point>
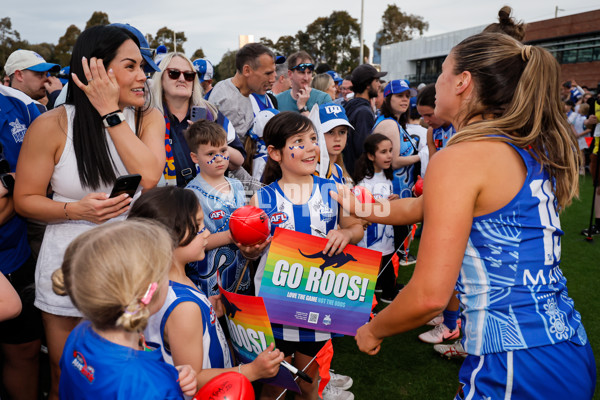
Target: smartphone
<point>197,113</point>
<point>126,184</point>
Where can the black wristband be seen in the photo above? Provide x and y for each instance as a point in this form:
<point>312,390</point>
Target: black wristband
<point>106,115</point>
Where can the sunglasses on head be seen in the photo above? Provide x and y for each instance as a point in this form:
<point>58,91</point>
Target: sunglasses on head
<point>304,66</point>
<point>187,75</point>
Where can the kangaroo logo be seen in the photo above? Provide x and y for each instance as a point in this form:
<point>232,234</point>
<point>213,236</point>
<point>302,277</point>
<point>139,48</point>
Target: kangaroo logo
<point>230,308</point>
<point>334,261</point>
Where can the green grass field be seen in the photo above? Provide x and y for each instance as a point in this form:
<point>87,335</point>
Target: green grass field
<point>406,368</point>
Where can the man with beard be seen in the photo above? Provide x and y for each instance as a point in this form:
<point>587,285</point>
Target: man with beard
<point>365,85</point>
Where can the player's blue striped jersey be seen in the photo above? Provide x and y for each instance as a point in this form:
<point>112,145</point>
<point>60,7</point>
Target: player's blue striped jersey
<point>315,217</point>
<point>511,286</point>
<point>216,351</point>
<point>95,368</point>
<point>404,177</point>
<point>442,135</point>
<point>217,208</point>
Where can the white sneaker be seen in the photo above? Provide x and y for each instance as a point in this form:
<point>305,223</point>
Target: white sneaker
<point>335,393</point>
<point>453,350</point>
<point>436,320</point>
<point>440,334</point>
<point>340,381</point>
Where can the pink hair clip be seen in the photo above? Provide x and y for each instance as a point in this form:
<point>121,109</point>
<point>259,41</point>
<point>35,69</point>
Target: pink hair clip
<point>149,293</point>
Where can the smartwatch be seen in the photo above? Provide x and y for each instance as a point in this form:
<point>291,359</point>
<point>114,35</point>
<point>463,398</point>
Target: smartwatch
<point>304,109</point>
<point>8,181</point>
<point>113,119</point>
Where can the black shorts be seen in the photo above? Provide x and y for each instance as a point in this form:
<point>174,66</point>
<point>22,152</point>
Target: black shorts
<point>307,348</point>
<point>27,326</point>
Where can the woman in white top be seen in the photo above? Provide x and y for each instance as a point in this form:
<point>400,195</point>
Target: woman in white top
<point>79,150</point>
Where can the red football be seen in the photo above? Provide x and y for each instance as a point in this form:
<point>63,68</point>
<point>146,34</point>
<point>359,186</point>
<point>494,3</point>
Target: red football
<point>226,386</point>
<point>418,188</point>
<point>363,194</point>
<point>249,225</point>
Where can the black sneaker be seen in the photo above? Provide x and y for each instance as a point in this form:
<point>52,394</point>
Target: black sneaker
<point>595,231</point>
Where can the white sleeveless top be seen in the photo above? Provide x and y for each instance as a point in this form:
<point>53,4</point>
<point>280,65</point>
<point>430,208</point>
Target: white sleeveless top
<point>67,188</point>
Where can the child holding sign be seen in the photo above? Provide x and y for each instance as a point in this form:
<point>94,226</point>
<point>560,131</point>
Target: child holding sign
<point>116,275</point>
<point>186,326</point>
<point>374,171</point>
<point>296,199</point>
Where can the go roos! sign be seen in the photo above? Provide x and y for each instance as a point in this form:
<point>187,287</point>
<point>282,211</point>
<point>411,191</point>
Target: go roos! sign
<point>303,287</point>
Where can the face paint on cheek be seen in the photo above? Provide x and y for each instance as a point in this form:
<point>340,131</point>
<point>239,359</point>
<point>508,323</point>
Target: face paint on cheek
<point>212,160</point>
<point>294,148</point>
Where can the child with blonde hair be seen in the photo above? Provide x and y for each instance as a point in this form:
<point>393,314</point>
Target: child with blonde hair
<point>116,275</point>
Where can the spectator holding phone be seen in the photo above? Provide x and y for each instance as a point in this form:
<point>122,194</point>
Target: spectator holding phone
<point>175,91</point>
<point>103,131</point>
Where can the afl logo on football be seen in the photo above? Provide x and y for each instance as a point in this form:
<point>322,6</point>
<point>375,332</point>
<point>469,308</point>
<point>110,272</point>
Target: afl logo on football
<point>279,218</point>
<point>219,214</point>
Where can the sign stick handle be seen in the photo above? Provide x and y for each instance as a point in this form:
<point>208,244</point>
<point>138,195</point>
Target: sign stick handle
<point>241,276</point>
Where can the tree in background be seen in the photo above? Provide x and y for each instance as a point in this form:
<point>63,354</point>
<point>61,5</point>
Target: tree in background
<point>10,40</point>
<point>399,27</point>
<point>226,67</point>
<point>97,18</point>
<point>64,48</point>
<point>199,53</point>
<point>165,36</point>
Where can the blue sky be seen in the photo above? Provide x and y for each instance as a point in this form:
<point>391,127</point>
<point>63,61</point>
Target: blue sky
<point>215,25</point>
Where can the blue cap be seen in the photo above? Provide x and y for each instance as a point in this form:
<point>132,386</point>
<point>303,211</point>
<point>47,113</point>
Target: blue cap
<point>63,75</point>
<point>145,49</point>
<point>398,86</point>
<point>413,102</point>
<point>336,78</point>
<point>204,69</point>
<point>279,59</point>
<point>332,115</point>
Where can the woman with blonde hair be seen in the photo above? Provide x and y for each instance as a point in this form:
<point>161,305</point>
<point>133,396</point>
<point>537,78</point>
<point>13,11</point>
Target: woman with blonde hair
<point>325,83</point>
<point>491,200</point>
<point>175,90</point>
<point>116,275</point>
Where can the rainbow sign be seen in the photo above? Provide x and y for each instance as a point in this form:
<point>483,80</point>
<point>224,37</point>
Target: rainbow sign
<point>303,287</point>
<point>251,334</point>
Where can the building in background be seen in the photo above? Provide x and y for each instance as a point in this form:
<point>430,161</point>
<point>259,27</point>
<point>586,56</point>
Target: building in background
<point>574,40</point>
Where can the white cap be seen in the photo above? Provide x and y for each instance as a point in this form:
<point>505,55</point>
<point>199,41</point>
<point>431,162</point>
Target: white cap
<point>27,59</point>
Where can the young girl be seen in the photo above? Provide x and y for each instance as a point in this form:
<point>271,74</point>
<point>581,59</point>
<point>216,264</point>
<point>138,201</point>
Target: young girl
<point>374,172</point>
<point>332,125</point>
<point>491,202</point>
<point>116,275</point>
<point>186,327</point>
<point>302,201</point>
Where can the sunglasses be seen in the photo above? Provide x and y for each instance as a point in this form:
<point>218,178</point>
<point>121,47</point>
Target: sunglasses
<point>303,67</point>
<point>175,74</point>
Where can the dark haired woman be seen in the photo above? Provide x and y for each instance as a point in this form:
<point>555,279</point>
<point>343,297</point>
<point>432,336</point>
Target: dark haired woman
<point>79,150</point>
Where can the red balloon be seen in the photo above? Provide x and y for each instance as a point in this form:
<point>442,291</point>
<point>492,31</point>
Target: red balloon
<point>226,386</point>
<point>418,188</point>
<point>249,225</point>
<point>363,194</point>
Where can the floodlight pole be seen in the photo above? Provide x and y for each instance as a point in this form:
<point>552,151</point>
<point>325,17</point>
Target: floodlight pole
<point>362,21</point>
<point>174,42</point>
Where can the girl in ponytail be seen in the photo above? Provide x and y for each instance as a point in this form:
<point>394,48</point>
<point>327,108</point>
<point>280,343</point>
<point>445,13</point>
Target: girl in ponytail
<point>116,275</point>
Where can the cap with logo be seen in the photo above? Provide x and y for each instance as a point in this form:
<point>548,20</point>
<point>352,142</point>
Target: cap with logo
<point>204,69</point>
<point>365,73</point>
<point>145,49</point>
<point>336,78</point>
<point>330,116</point>
<point>63,75</point>
<point>398,86</point>
<point>27,59</point>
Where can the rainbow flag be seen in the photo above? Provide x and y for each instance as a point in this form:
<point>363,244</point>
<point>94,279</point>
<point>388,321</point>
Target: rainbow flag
<point>303,287</point>
<point>251,334</point>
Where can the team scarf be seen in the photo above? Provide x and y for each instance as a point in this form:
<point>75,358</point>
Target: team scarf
<point>169,173</point>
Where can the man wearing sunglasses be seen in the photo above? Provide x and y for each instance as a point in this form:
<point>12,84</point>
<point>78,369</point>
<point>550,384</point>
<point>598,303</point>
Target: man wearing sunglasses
<point>301,97</point>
